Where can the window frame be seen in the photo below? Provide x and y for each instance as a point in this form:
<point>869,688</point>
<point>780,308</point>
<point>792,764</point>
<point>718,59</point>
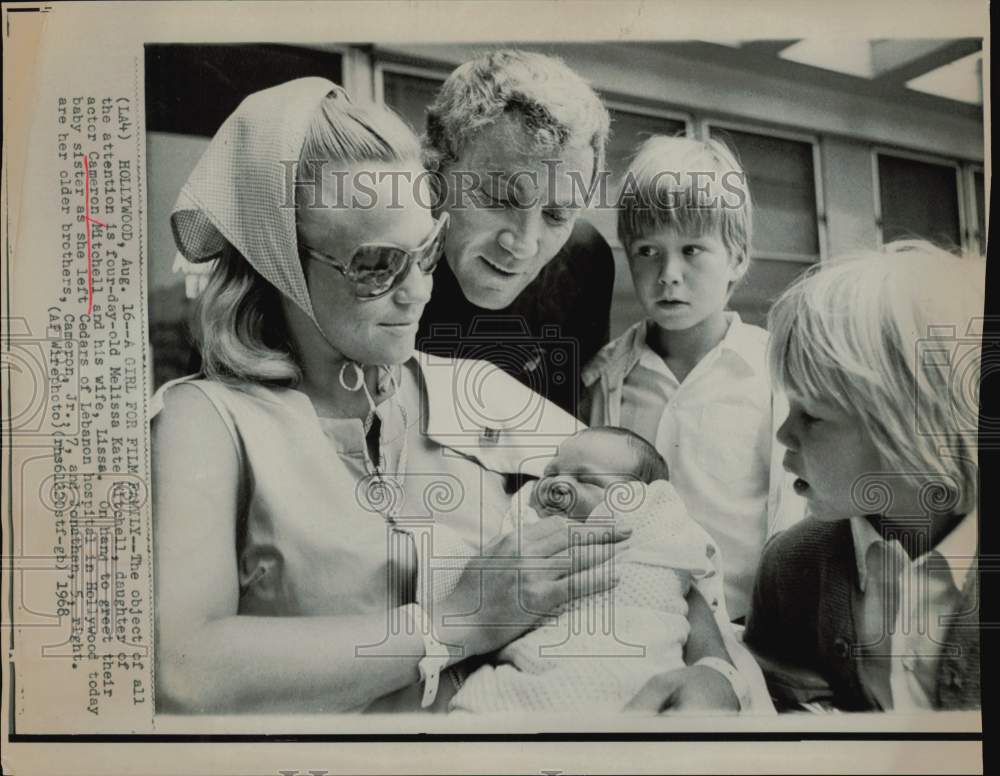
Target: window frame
<point>383,66</point>
<point>811,139</point>
<point>962,188</point>
<point>976,241</point>
<point>622,104</point>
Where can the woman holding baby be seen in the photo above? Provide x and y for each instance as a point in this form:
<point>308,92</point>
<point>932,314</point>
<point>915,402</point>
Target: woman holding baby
<point>318,461</point>
<point>286,476</point>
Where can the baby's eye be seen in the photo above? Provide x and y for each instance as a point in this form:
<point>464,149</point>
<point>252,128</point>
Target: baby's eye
<point>645,251</point>
<point>693,250</point>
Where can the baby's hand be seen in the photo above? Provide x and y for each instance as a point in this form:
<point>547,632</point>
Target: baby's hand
<point>691,689</point>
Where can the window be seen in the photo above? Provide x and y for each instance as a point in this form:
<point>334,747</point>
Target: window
<point>918,199</point>
<point>763,284</point>
<point>409,94</point>
<point>782,176</point>
<point>192,89</point>
<point>630,128</point>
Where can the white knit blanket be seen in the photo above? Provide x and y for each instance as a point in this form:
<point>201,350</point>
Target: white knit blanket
<point>601,650</point>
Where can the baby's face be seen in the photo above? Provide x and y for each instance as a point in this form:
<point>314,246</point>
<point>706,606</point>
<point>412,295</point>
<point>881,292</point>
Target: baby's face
<point>575,479</point>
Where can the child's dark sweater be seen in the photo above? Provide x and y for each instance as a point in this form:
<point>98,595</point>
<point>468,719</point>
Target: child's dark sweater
<point>803,615</point>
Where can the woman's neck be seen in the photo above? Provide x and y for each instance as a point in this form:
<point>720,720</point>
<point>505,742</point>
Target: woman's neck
<point>331,399</point>
<point>322,367</point>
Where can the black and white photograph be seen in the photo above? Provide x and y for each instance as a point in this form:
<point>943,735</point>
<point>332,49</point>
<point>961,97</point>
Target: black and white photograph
<point>508,386</point>
<point>383,279</point>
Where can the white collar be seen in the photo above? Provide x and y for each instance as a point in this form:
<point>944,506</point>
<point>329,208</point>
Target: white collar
<point>960,544</point>
<point>737,340</point>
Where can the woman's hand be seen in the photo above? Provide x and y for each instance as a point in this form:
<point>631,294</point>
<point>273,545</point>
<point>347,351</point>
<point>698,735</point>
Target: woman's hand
<point>690,689</point>
<point>523,577</point>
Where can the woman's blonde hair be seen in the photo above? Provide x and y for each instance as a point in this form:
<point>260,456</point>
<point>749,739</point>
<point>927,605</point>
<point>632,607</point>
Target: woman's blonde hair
<point>240,324</point>
<point>893,338</point>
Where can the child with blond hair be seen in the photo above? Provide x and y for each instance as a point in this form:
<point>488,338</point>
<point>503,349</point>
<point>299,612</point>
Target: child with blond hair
<point>691,378</point>
<point>877,591</point>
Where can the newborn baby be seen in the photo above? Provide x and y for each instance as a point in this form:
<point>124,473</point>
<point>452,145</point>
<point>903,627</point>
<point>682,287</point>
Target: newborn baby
<point>575,481</point>
<point>602,648</point>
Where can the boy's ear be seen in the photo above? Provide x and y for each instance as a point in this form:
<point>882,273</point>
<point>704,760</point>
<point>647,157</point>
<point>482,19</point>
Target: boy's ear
<point>740,264</point>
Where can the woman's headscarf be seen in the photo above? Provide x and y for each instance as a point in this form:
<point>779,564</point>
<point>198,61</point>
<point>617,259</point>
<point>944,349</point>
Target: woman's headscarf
<point>242,189</point>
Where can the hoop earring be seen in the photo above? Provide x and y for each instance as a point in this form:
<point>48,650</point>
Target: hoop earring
<point>358,374</point>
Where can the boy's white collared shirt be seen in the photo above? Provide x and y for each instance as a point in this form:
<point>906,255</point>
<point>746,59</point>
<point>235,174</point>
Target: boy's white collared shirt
<point>716,431</point>
<point>918,597</point>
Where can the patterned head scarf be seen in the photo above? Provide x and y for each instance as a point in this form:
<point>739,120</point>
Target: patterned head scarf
<point>242,189</point>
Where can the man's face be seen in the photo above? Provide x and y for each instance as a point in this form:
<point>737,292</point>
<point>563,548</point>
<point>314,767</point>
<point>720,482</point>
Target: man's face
<point>512,208</point>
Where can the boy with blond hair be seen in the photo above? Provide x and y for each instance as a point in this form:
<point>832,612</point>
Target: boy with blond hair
<point>878,591</point>
<point>692,377</point>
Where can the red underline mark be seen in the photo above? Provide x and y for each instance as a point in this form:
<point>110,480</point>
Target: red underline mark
<point>88,220</point>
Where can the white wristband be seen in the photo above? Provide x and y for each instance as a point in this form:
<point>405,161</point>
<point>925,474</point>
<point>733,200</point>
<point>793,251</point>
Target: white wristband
<point>436,655</point>
<point>737,681</point>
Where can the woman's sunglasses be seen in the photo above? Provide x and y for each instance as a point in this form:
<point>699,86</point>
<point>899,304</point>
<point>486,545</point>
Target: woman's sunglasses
<point>376,269</point>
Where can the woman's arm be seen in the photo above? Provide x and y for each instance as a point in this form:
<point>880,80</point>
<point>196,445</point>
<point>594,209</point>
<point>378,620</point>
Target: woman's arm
<point>208,657</point>
<point>694,688</point>
<point>705,638</point>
